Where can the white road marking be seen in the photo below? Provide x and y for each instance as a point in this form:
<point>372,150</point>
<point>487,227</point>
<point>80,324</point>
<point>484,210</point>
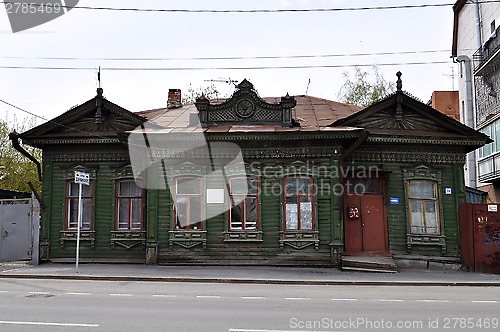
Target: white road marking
<point>344,299</point>
<point>4,291</point>
<point>76,293</point>
<point>48,324</point>
<point>208,297</point>
<point>388,300</point>
<point>253,297</point>
<point>484,301</point>
<point>43,293</point>
<point>120,294</point>
<point>298,298</point>
<point>164,295</point>
<point>436,301</point>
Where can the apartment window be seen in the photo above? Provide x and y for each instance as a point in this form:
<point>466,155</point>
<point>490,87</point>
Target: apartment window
<point>244,200</point>
<point>424,207</point>
<point>492,27</point>
<point>299,203</point>
<point>128,205</point>
<point>72,190</point>
<point>188,203</point>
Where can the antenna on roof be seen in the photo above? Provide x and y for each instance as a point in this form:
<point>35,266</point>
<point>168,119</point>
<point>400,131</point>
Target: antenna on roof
<point>452,76</point>
<point>222,80</point>
<point>308,83</point>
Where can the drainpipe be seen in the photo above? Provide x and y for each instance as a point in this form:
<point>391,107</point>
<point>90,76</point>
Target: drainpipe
<point>469,117</point>
<point>14,137</point>
<point>477,17</point>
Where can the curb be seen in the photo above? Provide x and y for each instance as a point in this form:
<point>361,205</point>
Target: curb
<point>255,281</point>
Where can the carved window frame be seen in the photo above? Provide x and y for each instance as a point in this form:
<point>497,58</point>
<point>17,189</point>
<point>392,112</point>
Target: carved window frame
<point>243,234</point>
<point>129,199</point>
<point>299,238</point>
<point>189,196</point>
<point>424,172</point>
<point>68,175</point>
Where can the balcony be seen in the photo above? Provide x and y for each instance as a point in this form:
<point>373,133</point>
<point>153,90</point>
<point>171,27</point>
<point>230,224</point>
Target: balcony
<point>489,168</point>
<point>487,55</point>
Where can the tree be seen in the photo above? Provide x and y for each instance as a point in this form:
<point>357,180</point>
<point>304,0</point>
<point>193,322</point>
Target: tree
<point>15,169</point>
<point>210,92</point>
<point>360,91</point>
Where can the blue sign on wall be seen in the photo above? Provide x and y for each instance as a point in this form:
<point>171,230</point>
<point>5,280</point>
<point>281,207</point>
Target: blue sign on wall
<point>394,200</point>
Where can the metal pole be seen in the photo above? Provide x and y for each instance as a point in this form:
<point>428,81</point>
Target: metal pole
<point>79,225</point>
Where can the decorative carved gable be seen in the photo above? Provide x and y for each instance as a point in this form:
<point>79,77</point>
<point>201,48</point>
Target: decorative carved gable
<point>105,121</point>
<point>386,119</point>
<point>245,107</point>
<point>96,115</point>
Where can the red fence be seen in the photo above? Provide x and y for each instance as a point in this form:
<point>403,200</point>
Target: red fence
<point>480,237</point>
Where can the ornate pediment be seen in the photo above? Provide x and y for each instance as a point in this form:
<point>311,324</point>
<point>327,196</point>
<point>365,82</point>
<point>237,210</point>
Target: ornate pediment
<point>97,115</point>
<point>407,119</point>
<point>245,107</point>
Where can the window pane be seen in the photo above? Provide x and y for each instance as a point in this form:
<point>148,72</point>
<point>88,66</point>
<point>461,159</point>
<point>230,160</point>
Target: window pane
<point>291,213</point>
<point>250,213</point>
<point>136,213</point>
<point>422,189</point>
<point>128,189</point>
<point>239,186</point>
<point>298,186</point>
<point>417,220</point>
<point>237,216</point>
<point>86,213</point>
<point>181,204</point>
<point>431,219</point>
<point>188,186</point>
<point>195,212</point>
<point>305,213</point>
<point>123,209</point>
<point>72,213</point>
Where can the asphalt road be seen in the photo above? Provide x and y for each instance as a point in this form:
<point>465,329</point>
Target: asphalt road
<point>58,305</point>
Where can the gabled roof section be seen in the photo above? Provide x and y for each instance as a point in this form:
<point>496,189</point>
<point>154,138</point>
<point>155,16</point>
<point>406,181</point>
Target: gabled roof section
<point>402,115</point>
<point>96,118</point>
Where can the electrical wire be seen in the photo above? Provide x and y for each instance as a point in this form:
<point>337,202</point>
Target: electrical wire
<point>230,57</point>
<point>157,10</point>
<point>226,68</point>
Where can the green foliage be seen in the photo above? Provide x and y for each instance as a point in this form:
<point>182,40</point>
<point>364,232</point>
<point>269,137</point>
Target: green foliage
<point>15,169</point>
<point>210,92</point>
<point>360,91</point>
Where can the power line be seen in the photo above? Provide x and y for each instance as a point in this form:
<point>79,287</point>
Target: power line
<point>158,10</point>
<point>223,11</point>
<point>231,57</point>
<point>226,68</point>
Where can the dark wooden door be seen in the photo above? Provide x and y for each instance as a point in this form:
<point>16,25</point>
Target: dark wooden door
<point>365,225</point>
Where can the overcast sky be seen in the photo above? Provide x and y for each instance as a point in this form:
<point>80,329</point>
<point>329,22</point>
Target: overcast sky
<point>94,35</point>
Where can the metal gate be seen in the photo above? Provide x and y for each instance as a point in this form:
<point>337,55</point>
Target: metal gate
<point>19,228</point>
<point>480,237</point>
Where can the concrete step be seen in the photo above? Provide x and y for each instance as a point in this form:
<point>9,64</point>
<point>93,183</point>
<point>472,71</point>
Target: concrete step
<point>369,264</point>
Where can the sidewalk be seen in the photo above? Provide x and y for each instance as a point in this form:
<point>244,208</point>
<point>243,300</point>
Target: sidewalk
<point>246,274</point>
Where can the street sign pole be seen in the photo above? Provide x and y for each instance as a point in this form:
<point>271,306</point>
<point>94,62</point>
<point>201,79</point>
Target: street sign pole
<point>79,222</point>
<point>80,178</point>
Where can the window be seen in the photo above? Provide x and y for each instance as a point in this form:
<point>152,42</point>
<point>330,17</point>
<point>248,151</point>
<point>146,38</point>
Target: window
<point>188,203</point>
<point>298,203</point>
<point>244,201</point>
<point>492,27</point>
<point>72,206</point>
<point>128,205</point>
<point>424,207</point>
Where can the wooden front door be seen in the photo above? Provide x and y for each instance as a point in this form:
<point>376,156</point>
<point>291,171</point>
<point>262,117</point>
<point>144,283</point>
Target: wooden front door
<point>365,224</point>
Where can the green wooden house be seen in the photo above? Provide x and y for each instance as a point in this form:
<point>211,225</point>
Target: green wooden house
<point>295,180</point>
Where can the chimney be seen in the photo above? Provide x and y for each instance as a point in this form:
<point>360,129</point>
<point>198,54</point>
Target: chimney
<point>446,102</point>
<point>174,98</point>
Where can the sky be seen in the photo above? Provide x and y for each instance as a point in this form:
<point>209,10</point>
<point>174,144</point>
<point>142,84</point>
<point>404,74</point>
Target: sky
<point>172,40</point>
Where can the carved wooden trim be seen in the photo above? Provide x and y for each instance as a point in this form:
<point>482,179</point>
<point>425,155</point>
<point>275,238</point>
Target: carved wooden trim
<point>299,240</point>
<point>71,235</point>
<point>426,240</point>
<point>187,239</point>
<point>128,239</point>
<point>243,236</point>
